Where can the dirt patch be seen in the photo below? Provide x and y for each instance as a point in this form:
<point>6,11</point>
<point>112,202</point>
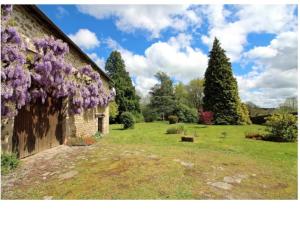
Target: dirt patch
<point>42,167</point>
<point>68,175</point>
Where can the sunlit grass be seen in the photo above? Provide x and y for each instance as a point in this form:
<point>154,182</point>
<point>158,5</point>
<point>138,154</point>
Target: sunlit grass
<point>142,163</point>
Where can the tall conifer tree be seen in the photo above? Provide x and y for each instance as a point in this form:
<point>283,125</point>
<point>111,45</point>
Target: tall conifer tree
<point>221,90</point>
<point>126,97</point>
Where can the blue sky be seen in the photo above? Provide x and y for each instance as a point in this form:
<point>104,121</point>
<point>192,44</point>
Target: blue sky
<point>260,40</point>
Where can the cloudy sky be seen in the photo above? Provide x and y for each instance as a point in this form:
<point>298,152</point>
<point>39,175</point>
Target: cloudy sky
<point>260,40</point>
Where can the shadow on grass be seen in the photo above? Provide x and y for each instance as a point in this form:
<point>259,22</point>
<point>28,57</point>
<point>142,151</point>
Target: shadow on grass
<point>120,128</point>
<point>200,126</point>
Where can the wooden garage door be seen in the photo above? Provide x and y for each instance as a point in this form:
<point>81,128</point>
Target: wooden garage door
<point>38,127</point>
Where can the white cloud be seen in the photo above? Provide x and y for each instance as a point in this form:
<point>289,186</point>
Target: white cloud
<point>85,39</point>
<point>152,18</point>
<point>247,19</point>
<point>261,52</point>
<point>99,61</point>
<point>275,73</point>
<point>175,57</point>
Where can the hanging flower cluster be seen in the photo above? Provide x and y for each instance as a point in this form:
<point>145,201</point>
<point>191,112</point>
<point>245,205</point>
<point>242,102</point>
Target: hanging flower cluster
<point>6,10</point>
<point>50,73</point>
<point>89,91</point>
<point>47,74</point>
<point>15,77</point>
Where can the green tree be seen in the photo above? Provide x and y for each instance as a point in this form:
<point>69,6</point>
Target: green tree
<point>195,90</point>
<point>289,105</point>
<point>220,88</point>
<point>162,98</point>
<point>181,93</point>
<point>126,97</point>
<point>113,111</point>
<point>244,114</point>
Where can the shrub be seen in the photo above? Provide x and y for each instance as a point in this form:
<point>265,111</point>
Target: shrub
<point>97,136</point>
<point>127,119</point>
<point>253,135</point>
<point>261,119</point>
<point>138,117</point>
<point>185,113</point>
<point>9,162</point>
<point>149,114</point>
<point>173,119</point>
<point>175,130</point>
<point>282,127</point>
<point>206,117</point>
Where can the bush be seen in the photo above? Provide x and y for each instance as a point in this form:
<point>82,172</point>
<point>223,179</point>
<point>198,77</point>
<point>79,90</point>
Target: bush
<point>282,127</point>
<point>185,113</point>
<point>149,114</point>
<point>175,130</point>
<point>173,119</point>
<point>206,117</point>
<point>256,136</point>
<point>9,162</point>
<point>97,136</point>
<point>138,117</point>
<point>261,119</point>
<point>127,119</point>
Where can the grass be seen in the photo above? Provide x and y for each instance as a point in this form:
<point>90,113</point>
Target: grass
<point>144,163</point>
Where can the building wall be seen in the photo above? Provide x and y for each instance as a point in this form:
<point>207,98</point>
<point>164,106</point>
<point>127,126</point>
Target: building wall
<point>30,26</point>
<point>87,123</point>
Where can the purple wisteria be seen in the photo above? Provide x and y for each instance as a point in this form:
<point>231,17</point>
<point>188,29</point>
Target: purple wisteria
<point>15,77</point>
<point>49,74</point>
<point>6,11</point>
<point>90,91</point>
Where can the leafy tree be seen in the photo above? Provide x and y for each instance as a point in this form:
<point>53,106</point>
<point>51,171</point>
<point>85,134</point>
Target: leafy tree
<point>244,114</point>
<point>181,93</point>
<point>162,98</point>
<point>221,90</point>
<point>195,90</point>
<point>289,105</point>
<point>255,110</point>
<point>185,113</point>
<point>149,113</point>
<point>126,97</point>
<point>113,111</point>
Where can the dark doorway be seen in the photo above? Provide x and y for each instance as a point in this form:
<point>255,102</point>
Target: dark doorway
<point>100,122</point>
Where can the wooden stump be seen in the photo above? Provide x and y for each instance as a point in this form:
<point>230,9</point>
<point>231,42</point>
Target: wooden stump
<point>187,139</point>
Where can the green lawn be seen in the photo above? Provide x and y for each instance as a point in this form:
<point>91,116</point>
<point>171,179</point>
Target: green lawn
<point>146,163</point>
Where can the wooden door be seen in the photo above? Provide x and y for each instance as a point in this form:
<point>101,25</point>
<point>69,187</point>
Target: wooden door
<point>38,127</point>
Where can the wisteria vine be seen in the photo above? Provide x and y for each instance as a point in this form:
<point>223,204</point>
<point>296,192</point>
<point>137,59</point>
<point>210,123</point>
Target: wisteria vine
<point>46,74</point>
<point>15,77</point>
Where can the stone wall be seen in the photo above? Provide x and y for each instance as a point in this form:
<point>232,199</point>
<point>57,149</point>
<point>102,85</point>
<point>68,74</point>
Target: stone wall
<point>30,26</point>
<point>87,123</point>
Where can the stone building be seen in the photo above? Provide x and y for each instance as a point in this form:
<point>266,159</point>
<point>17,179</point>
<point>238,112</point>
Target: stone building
<point>28,133</point>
